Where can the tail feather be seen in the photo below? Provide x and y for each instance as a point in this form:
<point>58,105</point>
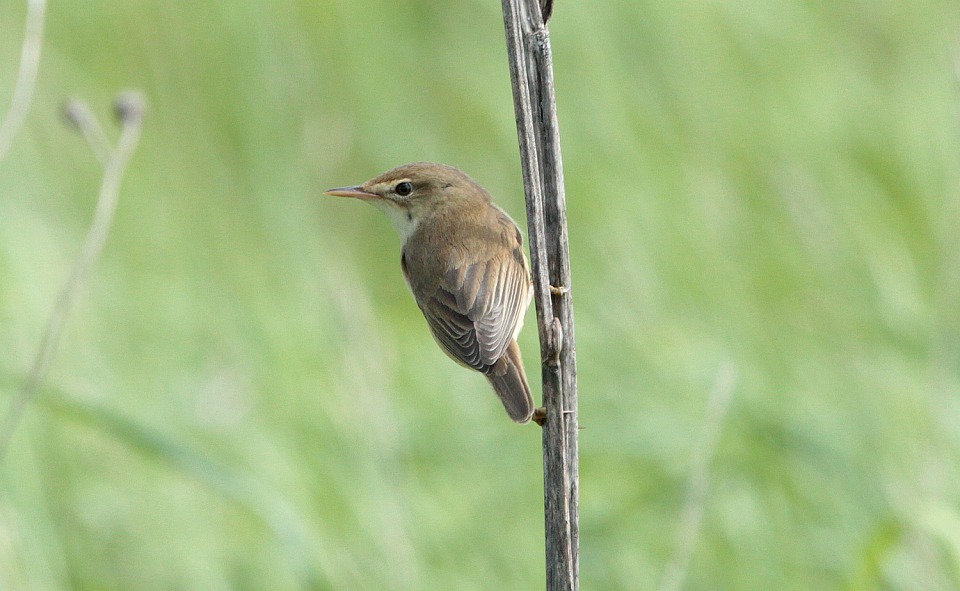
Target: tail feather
<point>510,383</point>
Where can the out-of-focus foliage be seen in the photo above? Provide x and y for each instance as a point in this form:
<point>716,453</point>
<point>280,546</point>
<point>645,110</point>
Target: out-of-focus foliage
<point>247,398</point>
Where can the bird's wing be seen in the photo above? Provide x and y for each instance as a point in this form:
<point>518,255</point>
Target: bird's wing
<point>477,308</point>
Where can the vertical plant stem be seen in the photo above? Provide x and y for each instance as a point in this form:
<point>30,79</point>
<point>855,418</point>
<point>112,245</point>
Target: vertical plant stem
<point>531,74</point>
<point>698,483</point>
<point>26,76</point>
<point>130,109</point>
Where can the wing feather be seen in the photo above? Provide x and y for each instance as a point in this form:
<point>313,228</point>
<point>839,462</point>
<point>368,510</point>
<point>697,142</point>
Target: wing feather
<point>474,303</point>
<point>476,310</point>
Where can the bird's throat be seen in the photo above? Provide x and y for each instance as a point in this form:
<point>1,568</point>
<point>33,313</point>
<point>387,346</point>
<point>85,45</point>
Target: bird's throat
<point>401,217</point>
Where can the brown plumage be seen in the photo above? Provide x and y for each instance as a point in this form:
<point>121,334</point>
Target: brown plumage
<point>463,259</point>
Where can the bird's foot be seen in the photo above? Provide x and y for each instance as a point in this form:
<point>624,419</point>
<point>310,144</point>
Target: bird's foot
<point>539,416</point>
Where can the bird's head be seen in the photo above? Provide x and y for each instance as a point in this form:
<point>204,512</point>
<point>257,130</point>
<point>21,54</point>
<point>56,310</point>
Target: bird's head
<point>412,192</point>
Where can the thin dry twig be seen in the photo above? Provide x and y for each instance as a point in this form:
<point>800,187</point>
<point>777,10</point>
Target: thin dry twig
<point>698,482</point>
<point>531,74</point>
<point>130,107</point>
<point>26,76</point>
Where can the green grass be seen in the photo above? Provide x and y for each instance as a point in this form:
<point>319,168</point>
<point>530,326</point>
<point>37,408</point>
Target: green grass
<point>247,398</point>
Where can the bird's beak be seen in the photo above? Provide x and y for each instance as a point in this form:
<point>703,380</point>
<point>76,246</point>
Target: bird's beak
<point>356,192</point>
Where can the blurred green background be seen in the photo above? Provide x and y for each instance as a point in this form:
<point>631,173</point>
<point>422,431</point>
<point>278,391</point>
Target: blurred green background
<point>763,198</point>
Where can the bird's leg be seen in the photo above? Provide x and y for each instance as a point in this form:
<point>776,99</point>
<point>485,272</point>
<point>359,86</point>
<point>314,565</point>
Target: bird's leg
<point>540,416</point>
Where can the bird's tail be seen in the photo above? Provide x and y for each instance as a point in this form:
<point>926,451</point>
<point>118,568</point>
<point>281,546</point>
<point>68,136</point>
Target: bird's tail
<point>510,383</point>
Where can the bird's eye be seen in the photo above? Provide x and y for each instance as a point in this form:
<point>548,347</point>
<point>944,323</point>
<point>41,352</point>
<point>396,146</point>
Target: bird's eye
<point>403,189</point>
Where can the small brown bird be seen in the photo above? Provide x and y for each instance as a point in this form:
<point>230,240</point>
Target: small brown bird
<point>463,259</point>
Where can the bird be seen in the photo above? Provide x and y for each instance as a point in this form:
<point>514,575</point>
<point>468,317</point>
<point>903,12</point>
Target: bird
<point>462,258</point>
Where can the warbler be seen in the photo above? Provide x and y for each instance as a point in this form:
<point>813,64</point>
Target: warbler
<point>463,259</point>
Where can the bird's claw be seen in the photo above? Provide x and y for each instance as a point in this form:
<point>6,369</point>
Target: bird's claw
<point>539,416</point>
